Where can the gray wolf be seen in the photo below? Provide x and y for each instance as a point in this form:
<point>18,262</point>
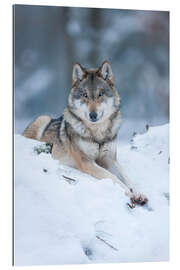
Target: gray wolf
<point>84,137</point>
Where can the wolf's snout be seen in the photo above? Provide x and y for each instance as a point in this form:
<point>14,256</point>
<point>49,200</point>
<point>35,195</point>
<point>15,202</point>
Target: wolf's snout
<point>93,116</point>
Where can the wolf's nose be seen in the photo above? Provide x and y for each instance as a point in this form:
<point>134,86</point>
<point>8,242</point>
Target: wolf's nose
<point>93,116</point>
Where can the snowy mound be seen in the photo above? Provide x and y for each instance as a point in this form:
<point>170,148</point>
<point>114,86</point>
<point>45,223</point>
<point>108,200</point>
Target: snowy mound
<point>63,216</point>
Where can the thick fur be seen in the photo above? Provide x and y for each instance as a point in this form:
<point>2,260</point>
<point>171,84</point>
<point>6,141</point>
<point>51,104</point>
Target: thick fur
<point>82,142</point>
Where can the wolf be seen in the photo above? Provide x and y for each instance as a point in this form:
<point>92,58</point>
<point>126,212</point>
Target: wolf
<point>84,137</point>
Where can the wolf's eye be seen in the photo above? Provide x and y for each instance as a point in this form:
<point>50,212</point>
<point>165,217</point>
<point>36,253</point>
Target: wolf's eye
<point>85,95</point>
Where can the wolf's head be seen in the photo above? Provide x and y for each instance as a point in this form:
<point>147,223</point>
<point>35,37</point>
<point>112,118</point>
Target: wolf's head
<point>93,97</point>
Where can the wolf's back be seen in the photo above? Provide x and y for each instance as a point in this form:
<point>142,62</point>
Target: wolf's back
<point>44,129</point>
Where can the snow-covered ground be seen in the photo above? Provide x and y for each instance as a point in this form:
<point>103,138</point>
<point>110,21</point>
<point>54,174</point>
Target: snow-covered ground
<point>61,221</point>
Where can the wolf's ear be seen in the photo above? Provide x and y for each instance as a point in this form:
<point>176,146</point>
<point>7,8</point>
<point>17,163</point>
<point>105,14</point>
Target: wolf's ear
<point>78,73</point>
<point>106,71</point>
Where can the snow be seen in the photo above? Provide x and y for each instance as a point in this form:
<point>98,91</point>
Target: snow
<point>61,221</point>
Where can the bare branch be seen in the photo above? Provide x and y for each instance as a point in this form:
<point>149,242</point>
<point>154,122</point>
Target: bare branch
<point>104,241</point>
<point>70,180</point>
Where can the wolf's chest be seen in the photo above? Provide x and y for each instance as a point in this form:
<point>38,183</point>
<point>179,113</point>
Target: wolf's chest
<point>96,133</point>
<point>95,151</point>
<point>100,135</point>
<point>90,149</point>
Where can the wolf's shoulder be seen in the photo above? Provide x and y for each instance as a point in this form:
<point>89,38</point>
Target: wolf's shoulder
<point>52,129</point>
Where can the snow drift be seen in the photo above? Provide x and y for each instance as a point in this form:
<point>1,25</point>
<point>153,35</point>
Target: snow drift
<point>80,219</point>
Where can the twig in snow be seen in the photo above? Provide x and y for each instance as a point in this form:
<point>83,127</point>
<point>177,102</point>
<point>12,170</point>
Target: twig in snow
<point>105,242</point>
<point>70,180</point>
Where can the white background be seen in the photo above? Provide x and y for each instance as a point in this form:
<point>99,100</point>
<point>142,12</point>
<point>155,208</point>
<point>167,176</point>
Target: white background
<point>6,126</point>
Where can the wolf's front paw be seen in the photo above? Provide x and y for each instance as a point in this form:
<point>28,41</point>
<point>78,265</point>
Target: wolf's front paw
<point>139,199</point>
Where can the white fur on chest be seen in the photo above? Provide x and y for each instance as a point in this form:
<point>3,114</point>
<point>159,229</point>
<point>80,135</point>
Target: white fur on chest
<point>93,151</point>
<point>90,149</point>
<point>99,131</point>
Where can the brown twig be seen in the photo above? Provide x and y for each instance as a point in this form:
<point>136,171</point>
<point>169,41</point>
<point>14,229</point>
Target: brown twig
<point>69,179</point>
<point>104,241</point>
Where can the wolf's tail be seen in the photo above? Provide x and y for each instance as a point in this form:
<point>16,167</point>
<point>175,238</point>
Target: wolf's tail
<point>44,129</point>
<point>36,129</point>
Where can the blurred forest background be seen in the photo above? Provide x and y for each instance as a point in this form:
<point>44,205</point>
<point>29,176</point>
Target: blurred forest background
<point>49,40</point>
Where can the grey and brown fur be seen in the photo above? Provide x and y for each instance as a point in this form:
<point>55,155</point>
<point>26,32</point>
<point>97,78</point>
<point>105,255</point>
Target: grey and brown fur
<point>84,137</point>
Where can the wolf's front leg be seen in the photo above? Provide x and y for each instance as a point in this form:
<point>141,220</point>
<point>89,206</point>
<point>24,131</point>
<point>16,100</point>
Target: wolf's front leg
<point>113,166</point>
<point>92,168</point>
<point>137,198</point>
